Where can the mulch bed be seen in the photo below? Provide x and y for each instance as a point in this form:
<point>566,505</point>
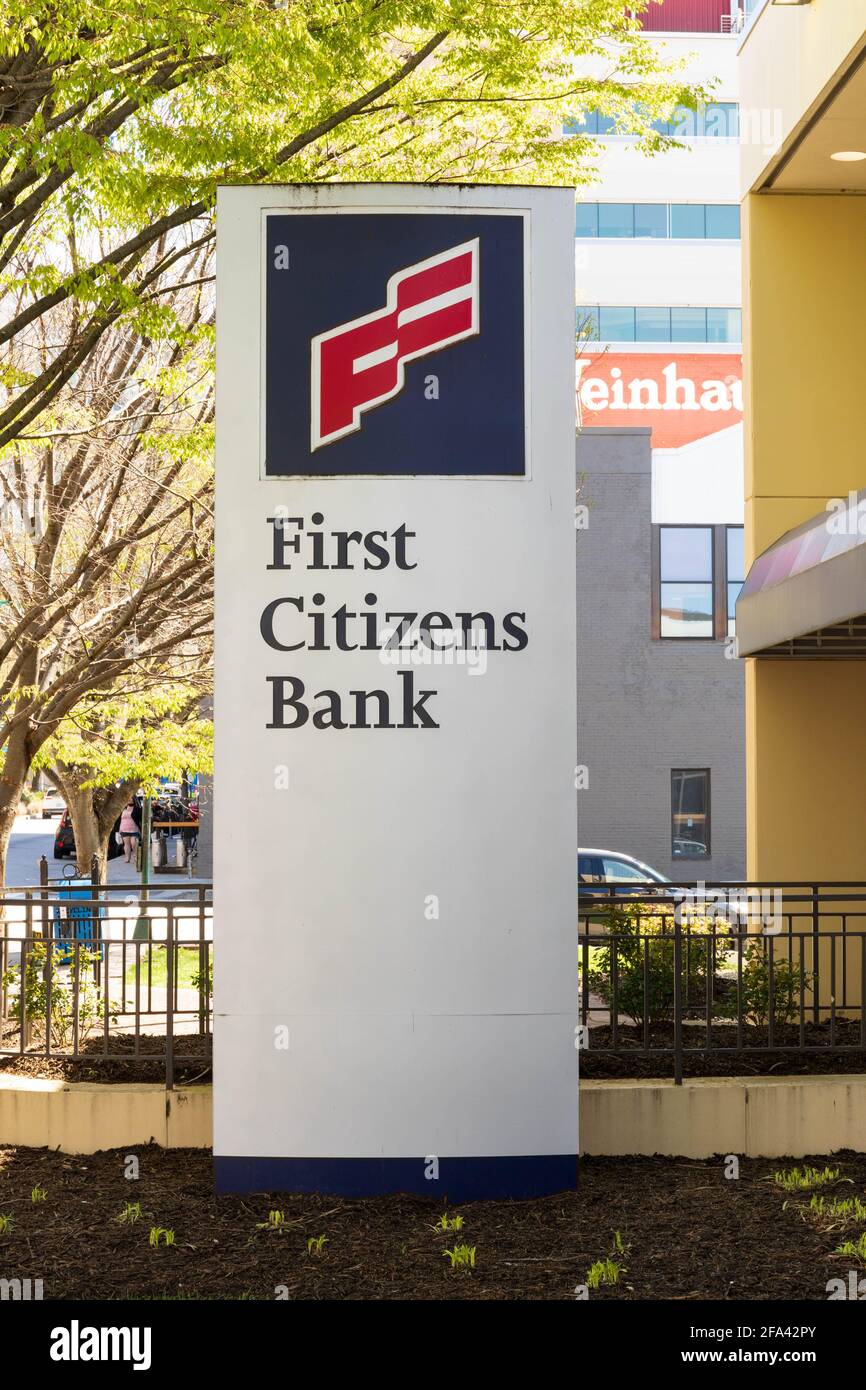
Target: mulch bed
<point>689,1233</point>
<point>122,1065</point>
<point>826,1059</point>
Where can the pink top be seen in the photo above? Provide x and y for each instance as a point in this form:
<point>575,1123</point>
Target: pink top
<point>127,824</point>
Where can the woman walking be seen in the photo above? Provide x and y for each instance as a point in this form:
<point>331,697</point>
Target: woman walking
<point>129,832</point>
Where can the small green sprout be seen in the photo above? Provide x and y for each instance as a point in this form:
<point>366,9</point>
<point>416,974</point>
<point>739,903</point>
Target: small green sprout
<point>5,1224</point>
<point>130,1214</point>
<point>160,1234</point>
<point>603,1272</point>
<point>316,1244</point>
<point>38,1194</point>
<point>609,1270</point>
<point>838,1208</point>
<point>805,1179</point>
<point>276,1220</point>
<point>854,1249</point>
<point>448,1223</point>
<point>461,1257</point>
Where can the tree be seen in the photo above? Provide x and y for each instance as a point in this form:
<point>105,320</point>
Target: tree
<point>118,122</point>
<point>99,757</point>
<point>106,577</point>
<point>116,125</point>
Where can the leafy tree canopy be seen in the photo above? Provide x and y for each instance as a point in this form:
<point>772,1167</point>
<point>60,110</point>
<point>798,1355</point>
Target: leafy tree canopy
<point>117,123</point>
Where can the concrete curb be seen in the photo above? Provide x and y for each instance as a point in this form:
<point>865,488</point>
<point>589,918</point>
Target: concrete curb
<point>754,1117</point>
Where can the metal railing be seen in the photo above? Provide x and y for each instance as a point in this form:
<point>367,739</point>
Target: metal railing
<point>107,973</point>
<point>698,971</point>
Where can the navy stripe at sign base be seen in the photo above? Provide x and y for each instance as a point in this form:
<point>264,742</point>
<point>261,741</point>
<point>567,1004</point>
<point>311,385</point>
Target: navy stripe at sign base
<point>460,1179</point>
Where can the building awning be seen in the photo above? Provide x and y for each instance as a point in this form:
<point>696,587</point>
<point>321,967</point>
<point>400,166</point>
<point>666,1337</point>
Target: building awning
<point>806,595</point>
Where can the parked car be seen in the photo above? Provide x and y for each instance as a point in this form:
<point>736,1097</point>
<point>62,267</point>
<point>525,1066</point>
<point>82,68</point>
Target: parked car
<point>602,873</point>
<point>64,839</point>
<point>52,804</point>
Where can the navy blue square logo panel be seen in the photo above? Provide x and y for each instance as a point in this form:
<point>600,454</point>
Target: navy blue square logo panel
<point>395,345</point>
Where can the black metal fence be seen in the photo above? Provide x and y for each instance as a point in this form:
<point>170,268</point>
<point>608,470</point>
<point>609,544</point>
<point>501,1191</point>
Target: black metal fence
<point>698,971</point>
<point>107,973</point>
<point>110,973</point>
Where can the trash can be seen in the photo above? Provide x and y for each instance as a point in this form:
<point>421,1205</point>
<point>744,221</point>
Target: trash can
<point>74,920</point>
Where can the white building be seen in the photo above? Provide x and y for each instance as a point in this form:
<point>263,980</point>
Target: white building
<point>657,254</point>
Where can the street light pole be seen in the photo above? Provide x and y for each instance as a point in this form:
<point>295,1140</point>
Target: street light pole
<point>142,926</point>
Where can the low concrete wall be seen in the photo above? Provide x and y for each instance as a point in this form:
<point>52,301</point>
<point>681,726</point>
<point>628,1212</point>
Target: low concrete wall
<point>80,1117</point>
<point>754,1117</point>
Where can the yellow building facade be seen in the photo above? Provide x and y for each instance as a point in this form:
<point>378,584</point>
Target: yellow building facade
<point>801,620</point>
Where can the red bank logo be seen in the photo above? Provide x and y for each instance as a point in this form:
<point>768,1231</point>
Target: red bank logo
<point>358,365</point>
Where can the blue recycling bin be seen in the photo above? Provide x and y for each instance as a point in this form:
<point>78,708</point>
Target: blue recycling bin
<point>76,921</point>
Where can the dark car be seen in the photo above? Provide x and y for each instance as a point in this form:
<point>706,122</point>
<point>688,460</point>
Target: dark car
<point>64,839</point>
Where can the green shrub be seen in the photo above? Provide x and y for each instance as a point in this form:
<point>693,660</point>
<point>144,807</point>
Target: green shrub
<point>640,951</point>
<point>91,1004</point>
<point>755,991</point>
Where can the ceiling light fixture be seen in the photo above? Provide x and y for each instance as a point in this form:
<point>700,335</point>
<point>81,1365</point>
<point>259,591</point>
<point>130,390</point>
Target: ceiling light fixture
<point>849,156</point>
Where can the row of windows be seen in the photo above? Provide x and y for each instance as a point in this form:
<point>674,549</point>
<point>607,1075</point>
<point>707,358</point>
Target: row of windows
<point>616,323</point>
<point>698,576</point>
<point>715,119</point>
<point>662,221</point>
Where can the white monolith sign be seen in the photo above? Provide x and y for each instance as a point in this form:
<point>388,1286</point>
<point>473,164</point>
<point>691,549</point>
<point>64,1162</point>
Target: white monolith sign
<point>395,845</point>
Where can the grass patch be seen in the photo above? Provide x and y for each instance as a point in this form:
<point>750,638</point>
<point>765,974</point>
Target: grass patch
<point>186,967</point>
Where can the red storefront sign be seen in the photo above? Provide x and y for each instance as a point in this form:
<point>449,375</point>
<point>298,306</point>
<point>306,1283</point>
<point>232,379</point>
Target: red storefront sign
<point>682,397</point>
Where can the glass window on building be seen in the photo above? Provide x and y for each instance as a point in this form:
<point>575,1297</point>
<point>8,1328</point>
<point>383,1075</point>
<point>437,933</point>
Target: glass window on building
<point>684,123</point>
<point>615,324</point>
<point>651,220</point>
<point>688,220</point>
<point>720,119</point>
<point>690,813</point>
<point>689,325</point>
<point>724,326</point>
<point>652,325</point>
<point>658,221</point>
<point>586,220</point>
<point>736,571</point>
<point>585,124</point>
<point>716,119</point>
<point>586,321</point>
<point>686,581</point>
<point>616,219</point>
<point>723,222</point>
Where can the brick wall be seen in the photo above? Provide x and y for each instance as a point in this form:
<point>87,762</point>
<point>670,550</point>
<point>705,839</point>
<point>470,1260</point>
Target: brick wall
<point>646,707</point>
